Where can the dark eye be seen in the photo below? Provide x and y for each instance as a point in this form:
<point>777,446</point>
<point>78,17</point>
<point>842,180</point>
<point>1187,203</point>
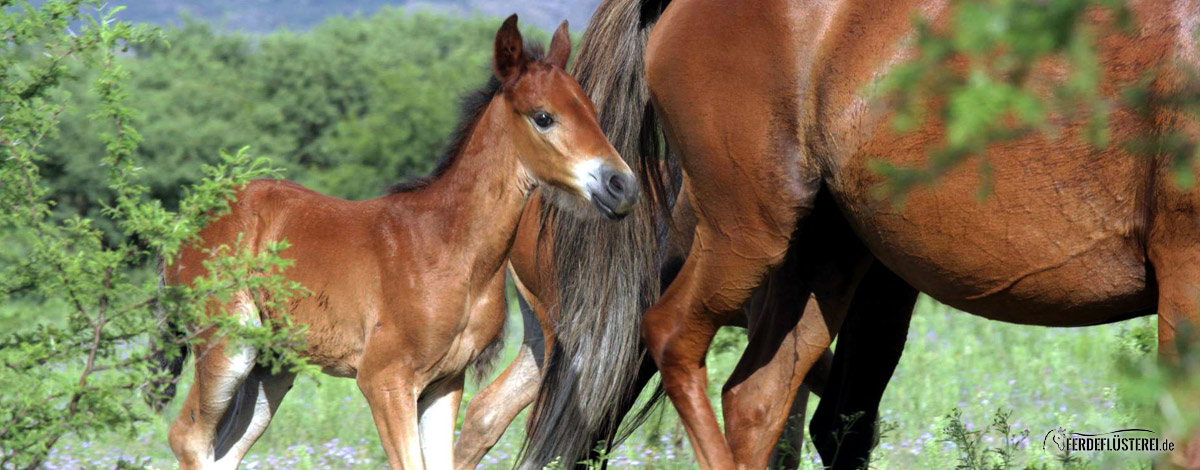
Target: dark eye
<point>543,120</point>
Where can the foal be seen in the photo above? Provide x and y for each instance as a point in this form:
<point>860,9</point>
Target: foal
<point>404,287</point>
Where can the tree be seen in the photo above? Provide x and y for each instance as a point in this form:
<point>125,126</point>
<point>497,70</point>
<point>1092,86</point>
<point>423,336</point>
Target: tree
<point>89,308</point>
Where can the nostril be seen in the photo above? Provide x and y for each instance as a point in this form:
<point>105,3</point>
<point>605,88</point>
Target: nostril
<point>616,184</point>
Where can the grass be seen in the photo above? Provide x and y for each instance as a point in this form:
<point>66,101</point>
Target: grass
<point>957,370</point>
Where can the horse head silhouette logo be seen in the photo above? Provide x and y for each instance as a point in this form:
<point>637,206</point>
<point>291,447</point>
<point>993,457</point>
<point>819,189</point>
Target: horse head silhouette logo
<point>1058,437</point>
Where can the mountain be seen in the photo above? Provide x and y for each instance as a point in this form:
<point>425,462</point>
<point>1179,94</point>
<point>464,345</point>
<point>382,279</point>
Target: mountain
<point>267,15</point>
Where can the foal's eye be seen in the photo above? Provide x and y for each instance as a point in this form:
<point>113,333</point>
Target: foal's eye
<point>542,120</point>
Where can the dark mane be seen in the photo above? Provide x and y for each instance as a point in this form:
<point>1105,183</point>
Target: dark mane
<point>471,108</point>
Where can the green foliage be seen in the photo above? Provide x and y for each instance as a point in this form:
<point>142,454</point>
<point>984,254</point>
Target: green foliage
<point>119,147</point>
<point>1169,383</point>
<point>347,109</point>
<point>975,75</point>
<point>974,453</point>
<point>83,305</point>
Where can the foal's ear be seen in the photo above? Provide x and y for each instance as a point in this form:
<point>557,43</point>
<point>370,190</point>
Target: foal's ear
<point>510,51</point>
<point>560,47</point>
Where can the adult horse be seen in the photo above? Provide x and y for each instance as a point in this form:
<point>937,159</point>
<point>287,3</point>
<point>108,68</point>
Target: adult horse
<point>401,287</point>
<point>767,106</point>
<point>576,428</point>
<point>490,411</point>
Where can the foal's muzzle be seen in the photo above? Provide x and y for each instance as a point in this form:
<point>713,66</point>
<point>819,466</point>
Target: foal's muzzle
<point>613,192</point>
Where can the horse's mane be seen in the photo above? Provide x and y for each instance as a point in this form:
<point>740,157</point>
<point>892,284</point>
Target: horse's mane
<point>471,107</point>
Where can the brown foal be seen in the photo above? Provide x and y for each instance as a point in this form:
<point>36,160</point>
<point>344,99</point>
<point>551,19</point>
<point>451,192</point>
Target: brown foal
<point>404,289</point>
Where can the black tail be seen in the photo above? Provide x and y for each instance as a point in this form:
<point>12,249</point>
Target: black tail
<point>169,354</point>
<point>607,273</point>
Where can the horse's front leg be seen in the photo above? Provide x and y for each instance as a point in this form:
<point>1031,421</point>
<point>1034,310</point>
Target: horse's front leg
<point>438,409</point>
<point>1176,260</point>
<point>392,394</point>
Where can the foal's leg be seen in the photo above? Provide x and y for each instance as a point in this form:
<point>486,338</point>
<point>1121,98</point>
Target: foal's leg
<point>491,411</point>
<point>254,405</point>
<point>220,371</point>
<point>438,409</point>
<point>221,368</point>
<point>392,394</point>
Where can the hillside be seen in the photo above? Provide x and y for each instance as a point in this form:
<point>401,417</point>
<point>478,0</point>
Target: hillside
<point>268,15</point>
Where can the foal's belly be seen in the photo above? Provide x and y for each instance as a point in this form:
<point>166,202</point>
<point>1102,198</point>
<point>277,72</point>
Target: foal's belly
<point>1057,242</point>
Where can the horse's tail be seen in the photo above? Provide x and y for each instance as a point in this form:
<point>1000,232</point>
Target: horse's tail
<point>606,273</point>
<point>169,356</point>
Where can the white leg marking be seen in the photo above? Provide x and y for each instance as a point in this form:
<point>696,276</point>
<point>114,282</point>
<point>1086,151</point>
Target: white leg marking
<point>437,431</point>
<point>258,417</point>
<point>225,386</point>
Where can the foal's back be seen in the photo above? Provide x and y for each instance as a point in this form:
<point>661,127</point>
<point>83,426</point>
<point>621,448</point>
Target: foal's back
<point>342,252</point>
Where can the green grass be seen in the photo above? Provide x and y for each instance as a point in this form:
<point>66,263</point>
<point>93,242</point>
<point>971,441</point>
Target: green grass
<point>1045,377</point>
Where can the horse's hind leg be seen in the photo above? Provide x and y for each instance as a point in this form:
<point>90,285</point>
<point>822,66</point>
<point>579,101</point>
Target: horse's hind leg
<point>791,323</point>
<point>490,412</point>
<point>438,411</point>
<point>247,418</point>
<point>734,122</point>
<point>738,241</point>
<point>869,347</point>
<point>716,279</point>
<point>221,368</point>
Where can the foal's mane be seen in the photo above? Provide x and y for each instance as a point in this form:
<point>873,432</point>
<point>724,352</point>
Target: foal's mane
<point>471,107</point>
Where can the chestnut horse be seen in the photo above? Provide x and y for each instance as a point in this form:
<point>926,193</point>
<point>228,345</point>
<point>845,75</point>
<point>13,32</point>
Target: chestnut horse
<point>403,287</point>
<point>573,432</point>
<point>493,408</point>
<point>767,106</point>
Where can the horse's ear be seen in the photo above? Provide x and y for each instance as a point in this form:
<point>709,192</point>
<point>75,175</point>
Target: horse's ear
<point>560,47</point>
<point>510,51</point>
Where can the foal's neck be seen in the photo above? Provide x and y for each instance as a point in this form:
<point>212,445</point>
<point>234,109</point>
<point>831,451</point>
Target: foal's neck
<point>477,201</point>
